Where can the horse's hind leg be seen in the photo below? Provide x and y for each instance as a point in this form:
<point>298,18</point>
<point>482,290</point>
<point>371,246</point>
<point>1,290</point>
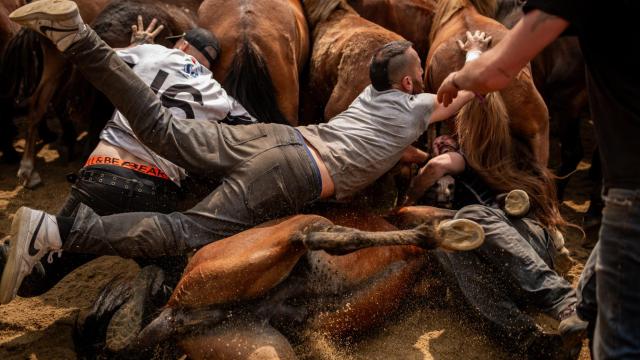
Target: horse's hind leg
<point>239,339</point>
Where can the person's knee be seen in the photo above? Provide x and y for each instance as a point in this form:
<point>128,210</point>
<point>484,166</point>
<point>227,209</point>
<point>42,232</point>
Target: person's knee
<point>478,213</point>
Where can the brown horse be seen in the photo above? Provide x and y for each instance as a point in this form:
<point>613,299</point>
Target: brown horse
<point>410,19</point>
<point>268,273</point>
<point>343,44</point>
<point>41,88</point>
<point>7,129</point>
<point>528,115</point>
<point>265,45</point>
<point>559,75</point>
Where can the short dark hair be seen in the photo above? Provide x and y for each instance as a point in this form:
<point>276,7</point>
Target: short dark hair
<point>379,67</point>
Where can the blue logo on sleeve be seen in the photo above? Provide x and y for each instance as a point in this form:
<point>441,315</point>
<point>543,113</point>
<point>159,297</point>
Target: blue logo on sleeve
<point>192,68</point>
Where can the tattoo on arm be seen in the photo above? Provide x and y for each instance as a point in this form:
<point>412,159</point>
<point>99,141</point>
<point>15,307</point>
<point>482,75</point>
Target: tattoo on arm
<point>541,19</point>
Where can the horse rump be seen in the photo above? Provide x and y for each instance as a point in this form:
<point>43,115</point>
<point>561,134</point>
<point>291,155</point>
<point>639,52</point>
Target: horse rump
<point>250,83</point>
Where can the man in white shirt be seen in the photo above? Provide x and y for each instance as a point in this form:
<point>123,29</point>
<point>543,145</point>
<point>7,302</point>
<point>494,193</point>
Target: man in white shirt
<point>122,174</point>
<point>268,170</point>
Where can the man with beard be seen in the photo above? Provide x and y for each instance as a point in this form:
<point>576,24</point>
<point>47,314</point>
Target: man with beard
<point>268,170</point>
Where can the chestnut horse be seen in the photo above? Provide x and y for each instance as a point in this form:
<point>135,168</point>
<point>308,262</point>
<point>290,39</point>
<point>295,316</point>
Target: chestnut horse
<point>343,44</point>
<point>528,115</point>
<point>43,82</point>
<point>7,129</point>
<point>267,274</point>
<point>265,45</point>
<point>410,19</point>
<point>559,74</point>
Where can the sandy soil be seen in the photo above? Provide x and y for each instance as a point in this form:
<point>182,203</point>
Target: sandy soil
<point>41,327</point>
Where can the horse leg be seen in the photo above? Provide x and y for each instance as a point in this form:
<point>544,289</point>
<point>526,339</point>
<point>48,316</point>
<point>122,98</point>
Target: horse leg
<point>540,145</point>
<point>239,339</point>
<point>53,65</point>
<point>452,235</point>
<point>571,151</point>
<point>8,133</point>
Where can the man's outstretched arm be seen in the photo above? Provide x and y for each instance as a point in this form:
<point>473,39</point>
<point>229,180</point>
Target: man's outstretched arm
<point>494,69</point>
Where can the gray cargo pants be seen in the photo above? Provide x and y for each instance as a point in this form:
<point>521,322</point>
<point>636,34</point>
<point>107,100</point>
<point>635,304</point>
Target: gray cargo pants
<point>513,269</point>
<point>266,170</point>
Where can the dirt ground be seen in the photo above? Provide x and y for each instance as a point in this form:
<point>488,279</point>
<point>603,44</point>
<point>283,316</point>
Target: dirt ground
<point>41,327</point>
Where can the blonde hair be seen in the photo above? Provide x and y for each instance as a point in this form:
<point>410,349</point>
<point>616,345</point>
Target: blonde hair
<point>505,163</point>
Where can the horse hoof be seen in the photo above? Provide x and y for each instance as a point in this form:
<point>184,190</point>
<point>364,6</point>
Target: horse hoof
<point>32,181</point>
<point>460,235</point>
<point>127,322</point>
<point>517,203</point>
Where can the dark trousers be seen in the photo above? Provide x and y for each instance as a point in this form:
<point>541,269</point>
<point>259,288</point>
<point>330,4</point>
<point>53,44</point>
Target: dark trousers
<point>102,188</point>
<point>265,169</point>
<point>513,269</point>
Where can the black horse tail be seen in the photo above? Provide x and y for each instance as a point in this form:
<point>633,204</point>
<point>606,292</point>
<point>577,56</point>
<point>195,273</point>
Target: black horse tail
<point>90,329</point>
<point>250,83</point>
<point>21,65</point>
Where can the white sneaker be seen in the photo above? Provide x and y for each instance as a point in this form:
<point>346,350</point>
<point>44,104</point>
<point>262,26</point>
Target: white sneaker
<point>58,20</point>
<point>34,233</point>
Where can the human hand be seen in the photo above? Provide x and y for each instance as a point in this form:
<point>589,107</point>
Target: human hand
<point>448,90</point>
<point>478,41</point>
<point>141,36</point>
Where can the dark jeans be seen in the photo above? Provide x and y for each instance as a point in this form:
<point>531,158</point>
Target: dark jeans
<point>94,189</point>
<point>617,280</point>
<point>511,270</point>
<point>265,169</point>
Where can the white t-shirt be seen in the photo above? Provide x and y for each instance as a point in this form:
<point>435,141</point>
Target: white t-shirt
<point>185,87</point>
<point>365,141</point>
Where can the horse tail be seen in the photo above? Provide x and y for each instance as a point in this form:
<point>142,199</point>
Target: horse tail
<point>21,64</point>
<point>250,83</point>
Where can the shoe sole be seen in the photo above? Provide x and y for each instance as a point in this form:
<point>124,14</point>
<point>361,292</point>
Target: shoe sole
<point>460,235</point>
<point>45,10</point>
<point>11,274</point>
<point>517,203</point>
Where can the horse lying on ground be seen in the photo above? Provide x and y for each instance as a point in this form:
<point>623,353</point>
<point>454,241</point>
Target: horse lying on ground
<point>265,45</point>
<point>528,115</point>
<point>343,44</point>
<point>268,275</point>
<point>49,82</point>
<point>410,19</point>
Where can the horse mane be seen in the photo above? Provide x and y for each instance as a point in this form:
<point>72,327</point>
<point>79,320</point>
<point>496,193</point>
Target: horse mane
<point>319,10</point>
<point>447,8</point>
<point>503,162</point>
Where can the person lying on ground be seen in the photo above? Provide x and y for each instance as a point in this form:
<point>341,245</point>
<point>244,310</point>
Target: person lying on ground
<point>122,174</point>
<point>268,170</point>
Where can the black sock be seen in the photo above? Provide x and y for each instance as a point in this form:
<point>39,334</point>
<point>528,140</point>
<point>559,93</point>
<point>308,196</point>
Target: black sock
<point>64,226</point>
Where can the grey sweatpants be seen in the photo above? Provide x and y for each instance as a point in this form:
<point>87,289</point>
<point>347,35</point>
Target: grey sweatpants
<point>513,269</point>
<point>265,169</point>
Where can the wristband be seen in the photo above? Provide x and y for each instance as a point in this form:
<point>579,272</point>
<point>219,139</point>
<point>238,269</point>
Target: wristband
<point>472,55</point>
